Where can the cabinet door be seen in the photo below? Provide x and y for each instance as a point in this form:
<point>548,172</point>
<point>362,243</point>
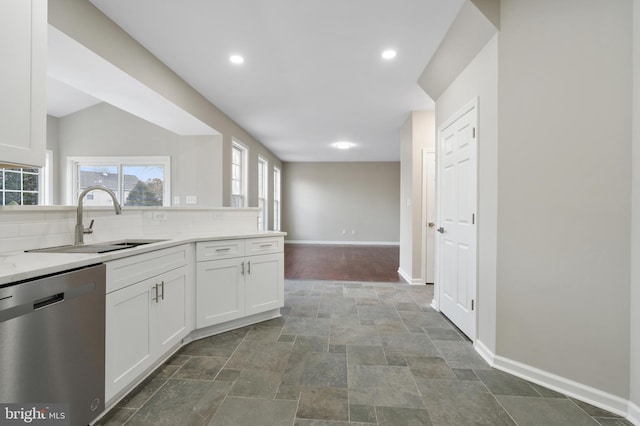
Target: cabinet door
<point>171,322</point>
<point>23,114</point>
<point>128,339</point>
<point>264,285</point>
<point>219,291</point>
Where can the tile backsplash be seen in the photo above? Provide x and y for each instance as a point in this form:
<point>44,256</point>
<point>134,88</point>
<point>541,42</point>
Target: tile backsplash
<point>25,228</point>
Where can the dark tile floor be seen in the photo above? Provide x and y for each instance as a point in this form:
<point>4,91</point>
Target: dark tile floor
<point>344,353</point>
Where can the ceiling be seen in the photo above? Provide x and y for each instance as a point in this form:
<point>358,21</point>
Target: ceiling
<point>313,72</point>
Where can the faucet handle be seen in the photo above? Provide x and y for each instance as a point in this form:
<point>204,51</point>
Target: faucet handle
<point>89,230</point>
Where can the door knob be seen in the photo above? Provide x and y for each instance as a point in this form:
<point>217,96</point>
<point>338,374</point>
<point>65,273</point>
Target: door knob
<point>440,230</point>
<point>431,224</point>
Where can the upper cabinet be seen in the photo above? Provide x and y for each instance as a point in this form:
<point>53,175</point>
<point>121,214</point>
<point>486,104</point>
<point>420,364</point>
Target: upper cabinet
<point>23,110</point>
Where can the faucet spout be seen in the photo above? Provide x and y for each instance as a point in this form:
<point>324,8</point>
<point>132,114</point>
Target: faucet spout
<point>80,229</point>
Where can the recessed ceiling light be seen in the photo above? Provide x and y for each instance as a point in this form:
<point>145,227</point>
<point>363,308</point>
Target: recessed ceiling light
<point>344,145</point>
<point>236,59</point>
<point>389,54</point>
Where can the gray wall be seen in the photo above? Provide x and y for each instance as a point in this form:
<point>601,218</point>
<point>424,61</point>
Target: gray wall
<point>564,180</point>
<point>103,130</point>
<point>635,217</point>
<point>83,22</point>
<point>321,199</point>
<point>480,79</point>
<point>53,145</point>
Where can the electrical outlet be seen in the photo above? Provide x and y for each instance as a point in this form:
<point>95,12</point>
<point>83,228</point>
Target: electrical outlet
<point>176,200</point>
<point>344,232</point>
<point>191,199</point>
<point>159,215</point>
<point>353,232</point>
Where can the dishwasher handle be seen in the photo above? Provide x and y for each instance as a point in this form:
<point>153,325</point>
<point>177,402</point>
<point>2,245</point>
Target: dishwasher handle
<point>47,301</point>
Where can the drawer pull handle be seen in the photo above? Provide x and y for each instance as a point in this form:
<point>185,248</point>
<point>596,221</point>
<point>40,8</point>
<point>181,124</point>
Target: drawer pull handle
<point>223,249</point>
<point>265,245</point>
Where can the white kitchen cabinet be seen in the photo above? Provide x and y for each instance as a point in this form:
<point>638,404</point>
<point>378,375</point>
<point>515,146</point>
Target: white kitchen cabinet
<point>232,285</point>
<point>219,292</point>
<point>23,112</point>
<point>147,313</point>
<point>264,283</point>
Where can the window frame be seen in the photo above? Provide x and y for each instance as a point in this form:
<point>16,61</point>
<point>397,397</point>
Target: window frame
<point>120,162</point>
<point>263,192</point>
<point>277,199</point>
<point>244,154</point>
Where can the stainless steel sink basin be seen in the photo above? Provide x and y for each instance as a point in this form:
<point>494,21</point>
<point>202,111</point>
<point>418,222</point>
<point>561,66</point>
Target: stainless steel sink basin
<point>95,248</point>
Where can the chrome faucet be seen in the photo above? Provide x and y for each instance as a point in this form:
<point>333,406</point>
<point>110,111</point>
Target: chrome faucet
<point>80,229</point>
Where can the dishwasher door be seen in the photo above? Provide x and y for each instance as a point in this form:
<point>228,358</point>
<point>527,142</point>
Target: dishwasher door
<point>52,342</point>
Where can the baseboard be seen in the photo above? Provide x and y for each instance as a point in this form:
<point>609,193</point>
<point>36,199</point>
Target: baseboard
<point>343,243</point>
<point>409,279</point>
<point>563,385</point>
<point>633,414</point>
<point>434,304</point>
<point>484,352</point>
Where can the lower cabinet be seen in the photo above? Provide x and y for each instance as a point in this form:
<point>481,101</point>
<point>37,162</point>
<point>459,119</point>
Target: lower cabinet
<point>235,285</point>
<point>144,320</point>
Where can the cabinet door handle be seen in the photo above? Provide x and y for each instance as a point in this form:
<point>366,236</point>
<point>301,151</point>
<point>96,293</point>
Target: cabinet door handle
<point>242,270</point>
<point>155,299</point>
<point>223,249</point>
<point>162,294</point>
<point>249,267</point>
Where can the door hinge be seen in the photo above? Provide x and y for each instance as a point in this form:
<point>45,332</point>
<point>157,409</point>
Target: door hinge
<point>472,304</point>
<point>474,133</point>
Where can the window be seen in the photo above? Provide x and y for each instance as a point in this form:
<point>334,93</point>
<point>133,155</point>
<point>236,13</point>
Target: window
<point>276,199</point>
<point>238,175</point>
<point>20,187</point>
<point>136,181</point>
<point>263,167</point>
<point>26,186</point>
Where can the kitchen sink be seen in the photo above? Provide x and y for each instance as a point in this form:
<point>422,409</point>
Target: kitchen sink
<point>95,248</point>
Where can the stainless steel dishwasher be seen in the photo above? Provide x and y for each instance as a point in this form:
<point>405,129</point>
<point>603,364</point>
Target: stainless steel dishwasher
<point>52,341</point>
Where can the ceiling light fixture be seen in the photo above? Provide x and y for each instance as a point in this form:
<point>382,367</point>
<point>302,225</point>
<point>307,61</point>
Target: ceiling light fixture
<point>344,145</point>
<point>236,59</point>
<point>389,54</point>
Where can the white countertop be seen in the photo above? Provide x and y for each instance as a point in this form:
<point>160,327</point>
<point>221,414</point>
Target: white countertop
<point>19,266</point>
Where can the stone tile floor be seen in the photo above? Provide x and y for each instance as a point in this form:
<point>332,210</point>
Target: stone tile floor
<point>344,353</point>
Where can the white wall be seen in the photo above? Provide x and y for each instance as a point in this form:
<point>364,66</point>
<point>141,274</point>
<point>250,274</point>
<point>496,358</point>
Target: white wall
<point>417,133</point>
<point>103,130</point>
<point>634,375</point>
<point>563,185</point>
<point>319,200</point>
<point>480,80</point>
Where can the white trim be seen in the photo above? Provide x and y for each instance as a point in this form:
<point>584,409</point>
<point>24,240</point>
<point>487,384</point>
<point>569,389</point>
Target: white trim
<point>484,352</point>
<point>344,243</point>
<point>580,391</point>
<point>633,413</point>
<point>434,304</point>
<point>409,279</point>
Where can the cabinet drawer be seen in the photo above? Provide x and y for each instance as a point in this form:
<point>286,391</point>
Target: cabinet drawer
<point>130,270</point>
<point>263,245</point>
<point>224,249</point>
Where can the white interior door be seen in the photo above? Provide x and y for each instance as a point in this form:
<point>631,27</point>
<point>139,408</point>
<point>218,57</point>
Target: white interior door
<point>457,190</point>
